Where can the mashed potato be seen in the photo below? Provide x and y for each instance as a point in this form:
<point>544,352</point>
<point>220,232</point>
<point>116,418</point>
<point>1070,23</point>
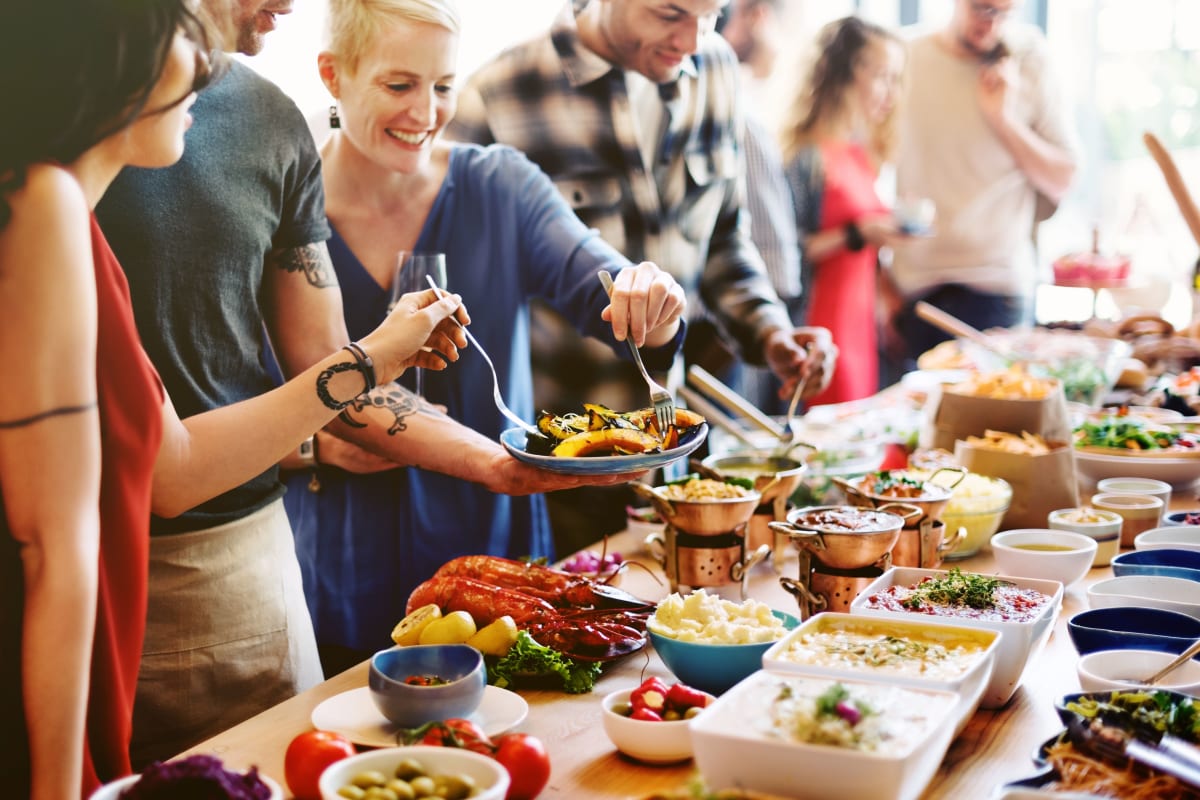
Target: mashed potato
<point>701,617</point>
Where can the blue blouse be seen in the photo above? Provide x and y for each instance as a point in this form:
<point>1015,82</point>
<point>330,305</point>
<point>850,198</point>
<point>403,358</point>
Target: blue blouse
<point>365,541</point>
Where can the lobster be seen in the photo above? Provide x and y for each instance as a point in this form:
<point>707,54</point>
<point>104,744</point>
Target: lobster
<point>561,589</point>
<point>584,634</point>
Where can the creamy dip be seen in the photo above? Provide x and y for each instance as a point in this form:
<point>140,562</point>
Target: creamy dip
<point>702,617</point>
<point>873,718</point>
<point>885,653</point>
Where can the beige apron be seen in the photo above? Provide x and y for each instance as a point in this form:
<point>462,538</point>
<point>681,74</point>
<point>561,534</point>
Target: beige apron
<point>228,633</point>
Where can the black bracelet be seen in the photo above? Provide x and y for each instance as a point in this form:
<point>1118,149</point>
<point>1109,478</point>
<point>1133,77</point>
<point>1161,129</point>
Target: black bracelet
<point>365,365</point>
<point>854,238</point>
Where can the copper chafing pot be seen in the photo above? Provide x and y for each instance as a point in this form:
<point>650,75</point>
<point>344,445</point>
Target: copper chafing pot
<point>713,517</point>
<point>932,501</point>
<point>925,545</point>
<point>773,476</point>
<point>847,537</point>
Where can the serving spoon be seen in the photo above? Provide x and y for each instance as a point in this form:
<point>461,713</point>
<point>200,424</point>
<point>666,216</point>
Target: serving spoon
<point>1175,663</point>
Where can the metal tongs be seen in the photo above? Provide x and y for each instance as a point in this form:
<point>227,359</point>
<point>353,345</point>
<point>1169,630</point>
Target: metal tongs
<point>701,380</point>
<point>1171,755</point>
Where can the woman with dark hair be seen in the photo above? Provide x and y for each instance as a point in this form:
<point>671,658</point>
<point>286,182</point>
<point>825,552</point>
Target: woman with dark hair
<point>88,440</point>
<point>842,131</point>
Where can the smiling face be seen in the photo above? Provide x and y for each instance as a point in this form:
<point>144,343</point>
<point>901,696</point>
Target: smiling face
<point>877,79</point>
<point>652,36</point>
<point>251,20</point>
<point>401,95</point>
<point>155,139</point>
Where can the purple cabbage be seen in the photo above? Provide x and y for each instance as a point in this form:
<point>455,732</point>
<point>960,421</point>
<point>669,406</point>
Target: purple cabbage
<point>196,778</point>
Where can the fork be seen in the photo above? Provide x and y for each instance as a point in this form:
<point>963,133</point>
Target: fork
<point>500,404</point>
<point>664,406</point>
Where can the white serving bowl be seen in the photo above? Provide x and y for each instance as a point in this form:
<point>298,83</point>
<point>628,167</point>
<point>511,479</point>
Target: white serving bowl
<point>1173,537</point>
<point>1146,591</point>
<point>974,653</point>
<point>1105,670</point>
<point>1103,526</point>
<point>1018,640</point>
<point>665,742</point>
<point>735,746</point>
<point>1034,553</point>
<point>113,789</point>
<point>491,779</point>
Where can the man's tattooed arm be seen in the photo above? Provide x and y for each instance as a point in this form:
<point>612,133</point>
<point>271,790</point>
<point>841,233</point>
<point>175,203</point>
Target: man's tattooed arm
<point>310,259</point>
<point>393,398</point>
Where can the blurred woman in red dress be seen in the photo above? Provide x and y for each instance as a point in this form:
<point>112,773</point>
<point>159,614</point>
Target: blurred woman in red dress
<point>842,132</point>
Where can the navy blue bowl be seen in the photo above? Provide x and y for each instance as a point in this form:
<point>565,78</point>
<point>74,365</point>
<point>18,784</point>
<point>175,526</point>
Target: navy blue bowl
<point>1129,627</point>
<point>1167,562</point>
<point>403,704</point>
<point>1181,517</point>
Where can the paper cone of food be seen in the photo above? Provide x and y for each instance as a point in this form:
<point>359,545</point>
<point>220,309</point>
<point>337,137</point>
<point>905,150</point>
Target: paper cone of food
<point>1041,473</point>
<point>1012,401</point>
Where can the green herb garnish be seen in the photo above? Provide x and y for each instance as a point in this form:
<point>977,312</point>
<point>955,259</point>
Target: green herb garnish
<point>955,588</point>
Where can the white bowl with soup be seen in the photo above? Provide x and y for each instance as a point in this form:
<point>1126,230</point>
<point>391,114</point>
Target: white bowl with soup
<point>1042,553</point>
<point>917,654</point>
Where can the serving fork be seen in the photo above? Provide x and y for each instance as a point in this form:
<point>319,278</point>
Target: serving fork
<point>500,404</point>
<point>664,406</point>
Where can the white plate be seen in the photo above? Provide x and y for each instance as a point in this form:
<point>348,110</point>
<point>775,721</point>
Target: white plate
<point>354,715</point>
<point>1179,472</point>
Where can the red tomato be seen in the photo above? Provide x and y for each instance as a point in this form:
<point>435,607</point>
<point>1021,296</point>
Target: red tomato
<point>467,733</point>
<point>527,763</point>
<point>307,757</point>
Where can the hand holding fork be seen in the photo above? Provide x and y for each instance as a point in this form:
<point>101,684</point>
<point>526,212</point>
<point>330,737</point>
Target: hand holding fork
<point>664,406</point>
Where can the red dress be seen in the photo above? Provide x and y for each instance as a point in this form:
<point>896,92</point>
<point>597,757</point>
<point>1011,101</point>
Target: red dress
<point>842,295</point>
<point>130,403</point>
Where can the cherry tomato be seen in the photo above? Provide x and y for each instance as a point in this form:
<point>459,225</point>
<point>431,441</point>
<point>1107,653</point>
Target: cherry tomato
<point>528,765</point>
<point>457,732</point>
<point>307,757</point>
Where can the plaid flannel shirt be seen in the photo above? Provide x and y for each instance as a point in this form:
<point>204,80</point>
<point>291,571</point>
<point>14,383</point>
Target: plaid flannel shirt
<point>571,114</point>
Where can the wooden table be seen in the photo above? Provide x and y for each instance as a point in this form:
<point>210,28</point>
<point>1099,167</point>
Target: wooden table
<point>993,749</point>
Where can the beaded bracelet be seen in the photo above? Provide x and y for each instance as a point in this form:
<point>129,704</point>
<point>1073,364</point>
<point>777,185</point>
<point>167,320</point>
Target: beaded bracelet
<point>365,365</point>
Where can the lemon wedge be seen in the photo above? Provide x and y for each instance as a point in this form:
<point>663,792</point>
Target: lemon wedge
<point>408,630</point>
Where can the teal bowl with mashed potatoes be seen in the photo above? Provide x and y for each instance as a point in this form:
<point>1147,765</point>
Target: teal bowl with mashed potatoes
<point>711,666</point>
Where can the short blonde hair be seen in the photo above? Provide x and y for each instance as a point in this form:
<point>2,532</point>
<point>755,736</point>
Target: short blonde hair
<point>354,23</point>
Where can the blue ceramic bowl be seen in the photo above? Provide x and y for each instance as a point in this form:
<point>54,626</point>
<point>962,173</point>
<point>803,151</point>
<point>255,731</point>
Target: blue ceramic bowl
<point>713,668</point>
<point>1170,563</point>
<point>1130,627</point>
<point>1181,517</point>
<point>403,704</point>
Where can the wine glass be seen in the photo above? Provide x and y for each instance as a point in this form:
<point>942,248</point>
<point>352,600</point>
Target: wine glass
<point>411,269</point>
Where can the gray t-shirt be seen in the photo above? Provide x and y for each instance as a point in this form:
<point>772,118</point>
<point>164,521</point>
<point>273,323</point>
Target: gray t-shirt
<point>193,238</point>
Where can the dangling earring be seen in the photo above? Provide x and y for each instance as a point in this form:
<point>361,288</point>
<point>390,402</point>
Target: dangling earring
<point>335,121</point>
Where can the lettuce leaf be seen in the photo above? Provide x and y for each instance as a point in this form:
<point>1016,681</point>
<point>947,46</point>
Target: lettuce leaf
<point>527,657</point>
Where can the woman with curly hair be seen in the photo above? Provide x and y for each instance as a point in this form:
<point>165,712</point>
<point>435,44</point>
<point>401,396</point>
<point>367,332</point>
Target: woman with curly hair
<point>842,131</point>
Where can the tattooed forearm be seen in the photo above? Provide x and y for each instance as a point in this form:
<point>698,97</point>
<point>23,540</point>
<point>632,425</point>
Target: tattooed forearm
<point>326,375</point>
<point>311,259</point>
<point>54,412</point>
<point>394,399</point>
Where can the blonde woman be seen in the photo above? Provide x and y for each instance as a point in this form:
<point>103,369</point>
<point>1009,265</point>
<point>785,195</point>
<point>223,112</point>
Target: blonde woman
<point>392,183</point>
<point>841,133</point>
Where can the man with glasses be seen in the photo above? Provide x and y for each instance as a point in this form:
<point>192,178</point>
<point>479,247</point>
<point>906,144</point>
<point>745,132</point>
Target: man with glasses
<point>632,108</point>
<point>985,134</point>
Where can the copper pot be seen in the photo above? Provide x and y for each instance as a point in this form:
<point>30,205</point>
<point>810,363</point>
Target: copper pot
<point>846,537</point>
<point>773,476</point>
<point>932,502</point>
<point>924,545</point>
<point>713,517</point>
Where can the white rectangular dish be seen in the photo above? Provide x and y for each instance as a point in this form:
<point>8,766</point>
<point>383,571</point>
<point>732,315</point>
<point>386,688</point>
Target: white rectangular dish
<point>916,654</point>
<point>751,738</point>
<point>1019,640</point>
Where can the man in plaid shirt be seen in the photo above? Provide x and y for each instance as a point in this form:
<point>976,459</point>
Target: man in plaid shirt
<point>631,107</point>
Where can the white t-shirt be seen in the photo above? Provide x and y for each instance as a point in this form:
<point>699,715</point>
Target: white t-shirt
<point>948,153</point>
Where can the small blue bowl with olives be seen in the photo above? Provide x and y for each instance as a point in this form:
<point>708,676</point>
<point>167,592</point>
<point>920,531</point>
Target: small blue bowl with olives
<point>423,683</point>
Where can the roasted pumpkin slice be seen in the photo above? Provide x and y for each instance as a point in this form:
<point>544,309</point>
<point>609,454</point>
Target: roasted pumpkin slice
<point>605,442</point>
